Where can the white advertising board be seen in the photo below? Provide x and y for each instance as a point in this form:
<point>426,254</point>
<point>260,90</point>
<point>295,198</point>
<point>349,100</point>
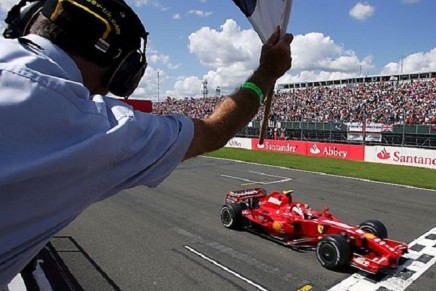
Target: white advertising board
<point>241,143</point>
<point>401,156</point>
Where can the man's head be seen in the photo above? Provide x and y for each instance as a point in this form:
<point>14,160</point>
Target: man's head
<point>107,33</point>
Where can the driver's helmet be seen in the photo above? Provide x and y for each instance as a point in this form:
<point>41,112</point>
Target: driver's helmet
<point>288,194</point>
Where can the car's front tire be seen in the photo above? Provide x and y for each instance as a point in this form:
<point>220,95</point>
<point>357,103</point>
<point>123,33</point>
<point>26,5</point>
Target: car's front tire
<point>333,252</point>
<point>375,227</point>
<point>231,216</point>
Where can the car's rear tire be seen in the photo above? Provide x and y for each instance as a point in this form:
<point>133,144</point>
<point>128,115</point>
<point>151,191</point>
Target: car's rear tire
<point>231,215</point>
<point>375,227</point>
<point>333,252</point>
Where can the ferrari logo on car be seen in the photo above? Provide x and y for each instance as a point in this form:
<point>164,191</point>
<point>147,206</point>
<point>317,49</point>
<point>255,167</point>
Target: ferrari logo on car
<point>320,228</point>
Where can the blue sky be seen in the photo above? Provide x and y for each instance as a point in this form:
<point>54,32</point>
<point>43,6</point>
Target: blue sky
<point>195,40</point>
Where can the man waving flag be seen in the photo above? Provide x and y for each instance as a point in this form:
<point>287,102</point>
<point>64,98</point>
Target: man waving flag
<point>265,16</point>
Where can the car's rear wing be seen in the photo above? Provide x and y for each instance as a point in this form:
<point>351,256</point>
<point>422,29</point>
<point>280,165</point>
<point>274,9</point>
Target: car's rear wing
<point>244,194</point>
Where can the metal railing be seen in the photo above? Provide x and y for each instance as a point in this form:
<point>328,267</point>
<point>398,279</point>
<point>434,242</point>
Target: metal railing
<point>410,135</point>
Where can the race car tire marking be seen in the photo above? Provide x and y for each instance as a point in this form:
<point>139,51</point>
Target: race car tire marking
<point>421,256</point>
<point>226,269</point>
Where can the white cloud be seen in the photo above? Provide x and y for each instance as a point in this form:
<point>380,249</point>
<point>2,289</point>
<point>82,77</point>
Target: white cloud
<point>187,87</point>
<point>232,54</point>
<point>150,85</point>
<point>200,13</point>
<point>312,76</point>
<point>314,51</point>
<point>417,62</point>
<point>5,5</point>
<point>155,3</point>
<point>154,57</point>
<point>227,47</point>
<point>231,61</point>
<point>362,11</point>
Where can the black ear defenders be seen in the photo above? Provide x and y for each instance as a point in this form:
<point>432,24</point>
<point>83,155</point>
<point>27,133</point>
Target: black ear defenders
<point>108,33</point>
<point>21,16</point>
<point>127,75</point>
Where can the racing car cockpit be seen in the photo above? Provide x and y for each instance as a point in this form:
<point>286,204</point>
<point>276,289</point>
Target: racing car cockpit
<point>302,210</point>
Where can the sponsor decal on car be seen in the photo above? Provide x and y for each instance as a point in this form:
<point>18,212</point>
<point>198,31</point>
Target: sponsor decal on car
<point>274,200</point>
<point>362,261</point>
<point>337,223</point>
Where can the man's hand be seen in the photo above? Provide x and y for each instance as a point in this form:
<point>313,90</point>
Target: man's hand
<point>275,60</point>
<point>276,54</point>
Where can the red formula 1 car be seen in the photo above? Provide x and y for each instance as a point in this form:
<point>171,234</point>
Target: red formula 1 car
<point>294,224</point>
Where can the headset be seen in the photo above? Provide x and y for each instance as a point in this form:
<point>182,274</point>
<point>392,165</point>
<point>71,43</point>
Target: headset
<point>108,33</point>
<point>21,16</point>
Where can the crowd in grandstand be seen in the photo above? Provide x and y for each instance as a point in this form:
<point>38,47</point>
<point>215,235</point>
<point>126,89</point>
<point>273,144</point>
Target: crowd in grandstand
<point>411,102</point>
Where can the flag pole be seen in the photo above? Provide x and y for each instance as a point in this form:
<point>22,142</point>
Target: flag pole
<point>266,112</point>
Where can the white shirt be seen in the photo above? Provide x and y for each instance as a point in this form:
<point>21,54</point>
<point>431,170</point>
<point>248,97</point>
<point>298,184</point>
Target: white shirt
<point>62,149</point>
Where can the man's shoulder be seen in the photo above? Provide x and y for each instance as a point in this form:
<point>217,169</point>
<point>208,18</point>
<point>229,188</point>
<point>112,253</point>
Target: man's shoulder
<point>38,60</point>
<point>9,48</point>
<point>15,55</point>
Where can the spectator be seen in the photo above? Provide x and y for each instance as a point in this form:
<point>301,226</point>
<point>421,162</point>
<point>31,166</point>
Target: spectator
<point>65,145</point>
<point>379,102</point>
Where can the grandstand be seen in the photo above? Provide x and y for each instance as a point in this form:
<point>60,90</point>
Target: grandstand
<point>402,108</point>
<point>360,80</point>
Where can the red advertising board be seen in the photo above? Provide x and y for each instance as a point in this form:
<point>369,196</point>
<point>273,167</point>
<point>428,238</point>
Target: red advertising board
<point>336,150</point>
<point>316,149</point>
<point>282,146</point>
<point>139,104</point>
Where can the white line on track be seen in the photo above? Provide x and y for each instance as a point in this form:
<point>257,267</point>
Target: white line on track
<point>238,178</point>
<point>321,173</point>
<point>282,179</point>
<point>249,182</point>
<point>248,281</point>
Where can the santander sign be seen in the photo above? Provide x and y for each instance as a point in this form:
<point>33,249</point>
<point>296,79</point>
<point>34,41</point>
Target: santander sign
<point>410,157</point>
<point>309,148</point>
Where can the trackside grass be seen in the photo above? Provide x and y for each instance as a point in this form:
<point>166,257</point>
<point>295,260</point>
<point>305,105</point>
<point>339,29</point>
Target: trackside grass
<point>404,175</point>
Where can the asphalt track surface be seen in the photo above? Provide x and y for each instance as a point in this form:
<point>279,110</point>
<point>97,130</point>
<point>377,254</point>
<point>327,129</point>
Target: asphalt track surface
<point>171,237</point>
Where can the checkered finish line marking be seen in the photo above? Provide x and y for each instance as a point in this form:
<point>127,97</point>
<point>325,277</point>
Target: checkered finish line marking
<point>421,256</point>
